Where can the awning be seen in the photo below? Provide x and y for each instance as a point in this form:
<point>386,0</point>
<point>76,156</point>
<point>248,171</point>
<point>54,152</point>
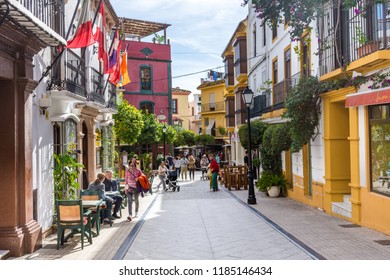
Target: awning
<point>365,98</point>
<point>64,117</point>
<point>210,126</point>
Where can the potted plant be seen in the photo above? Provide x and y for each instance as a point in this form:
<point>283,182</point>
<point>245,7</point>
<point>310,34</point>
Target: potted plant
<point>66,171</point>
<point>272,183</point>
<point>366,47</point>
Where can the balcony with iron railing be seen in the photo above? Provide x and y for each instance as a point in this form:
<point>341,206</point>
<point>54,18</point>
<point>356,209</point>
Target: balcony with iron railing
<point>111,96</point>
<point>280,93</point>
<point>363,30</point>
<point>68,74</point>
<point>43,18</point>
<point>211,107</point>
<point>97,93</point>
<point>258,106</point>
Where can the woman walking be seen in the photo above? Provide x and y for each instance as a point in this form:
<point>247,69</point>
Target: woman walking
<point>162,170</point>
<point>131,179</point>
<point>191,167</point>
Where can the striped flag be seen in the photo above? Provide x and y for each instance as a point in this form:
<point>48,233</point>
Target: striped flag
<point>83,36</point>
<point>100,37</point>
<point>113,52</point>
<point>115,75</point>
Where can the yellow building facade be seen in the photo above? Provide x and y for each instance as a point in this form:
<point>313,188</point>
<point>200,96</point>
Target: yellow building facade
<point>213,109</point>
<point>181,114</point>
<point>356,130</point>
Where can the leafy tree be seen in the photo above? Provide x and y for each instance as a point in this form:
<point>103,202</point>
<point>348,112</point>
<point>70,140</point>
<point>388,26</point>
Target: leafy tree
<point>303,111</point>
<point>128,122</point>
<point>300,12</point>
<point>170,136</point>
<point>257,130</point>
<point>276,139</point>
<point>204,139</point>
<point>148,134</point>
<point>185,137</point>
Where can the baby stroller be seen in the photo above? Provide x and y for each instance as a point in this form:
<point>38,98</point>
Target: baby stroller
<point>171,180</point>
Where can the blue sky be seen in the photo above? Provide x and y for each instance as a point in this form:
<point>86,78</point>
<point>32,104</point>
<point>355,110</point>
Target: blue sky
<point>199,31</point>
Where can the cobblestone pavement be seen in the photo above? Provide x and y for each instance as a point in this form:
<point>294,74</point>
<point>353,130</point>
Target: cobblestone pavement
<point>198,224</point>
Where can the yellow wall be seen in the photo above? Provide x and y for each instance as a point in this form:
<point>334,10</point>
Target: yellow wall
<point>219,91</point>
<point>374,208</point>
<point>182,109</point>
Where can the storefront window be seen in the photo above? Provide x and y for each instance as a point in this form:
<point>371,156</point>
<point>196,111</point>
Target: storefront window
<point>380,148</point>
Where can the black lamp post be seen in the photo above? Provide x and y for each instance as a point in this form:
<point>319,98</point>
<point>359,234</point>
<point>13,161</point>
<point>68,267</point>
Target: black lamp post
<point>247,95</point>
<point>164,134</point>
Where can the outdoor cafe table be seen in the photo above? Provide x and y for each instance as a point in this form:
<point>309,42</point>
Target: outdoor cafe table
<point>112,193</point>
<point>87,204</point>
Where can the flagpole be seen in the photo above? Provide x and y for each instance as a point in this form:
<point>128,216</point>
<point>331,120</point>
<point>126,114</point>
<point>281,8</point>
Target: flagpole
<point>48,68</point>
<point>108,78</point>
<point>94,20</point>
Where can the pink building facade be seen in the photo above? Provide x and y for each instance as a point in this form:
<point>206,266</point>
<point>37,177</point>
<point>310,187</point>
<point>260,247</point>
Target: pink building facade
<point>149,67</point>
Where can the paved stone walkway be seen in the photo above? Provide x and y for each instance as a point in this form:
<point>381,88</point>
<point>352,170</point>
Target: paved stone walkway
<point>198,224</point>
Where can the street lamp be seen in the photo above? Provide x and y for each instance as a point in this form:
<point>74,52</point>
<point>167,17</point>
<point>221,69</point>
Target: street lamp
<point>247,95</point>
<point>164,134</point>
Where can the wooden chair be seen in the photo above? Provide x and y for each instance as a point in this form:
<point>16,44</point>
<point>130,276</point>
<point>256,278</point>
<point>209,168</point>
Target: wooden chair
<point>70,215</point>
<point>96,217</point>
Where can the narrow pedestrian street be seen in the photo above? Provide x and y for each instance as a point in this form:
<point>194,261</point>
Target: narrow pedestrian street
<point>198,224</point>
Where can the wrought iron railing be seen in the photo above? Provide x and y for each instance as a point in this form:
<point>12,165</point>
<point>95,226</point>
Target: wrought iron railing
<point>281,90</point>
<point>362,30</point>
<point>258,106</point>
<point>50,12</point>
<point>111,96</point>
<point>216,106</point>
<point>74,79</point>
<point>97,93</point>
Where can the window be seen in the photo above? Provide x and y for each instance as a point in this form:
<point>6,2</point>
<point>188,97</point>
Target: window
<point>70,135</point>
<point>264,34</point>
<point>206,121</point>
<point>379,122</point>
<point>147,106</point>
<point>287,64</point>
<point>274,31</point>
<point>146,78</point>
<point>305,61</point>
<point>275,71</point>
<point>212,102</point>
<point>174,106</point>
<point>65,137</point>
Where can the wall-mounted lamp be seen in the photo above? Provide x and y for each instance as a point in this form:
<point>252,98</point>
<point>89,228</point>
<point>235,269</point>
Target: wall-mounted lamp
<point>95,49</point>
<point>44,104</point>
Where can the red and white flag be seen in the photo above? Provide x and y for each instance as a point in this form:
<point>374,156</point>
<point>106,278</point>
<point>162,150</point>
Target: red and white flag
<point>100,37</point>
<point>83,36</point>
